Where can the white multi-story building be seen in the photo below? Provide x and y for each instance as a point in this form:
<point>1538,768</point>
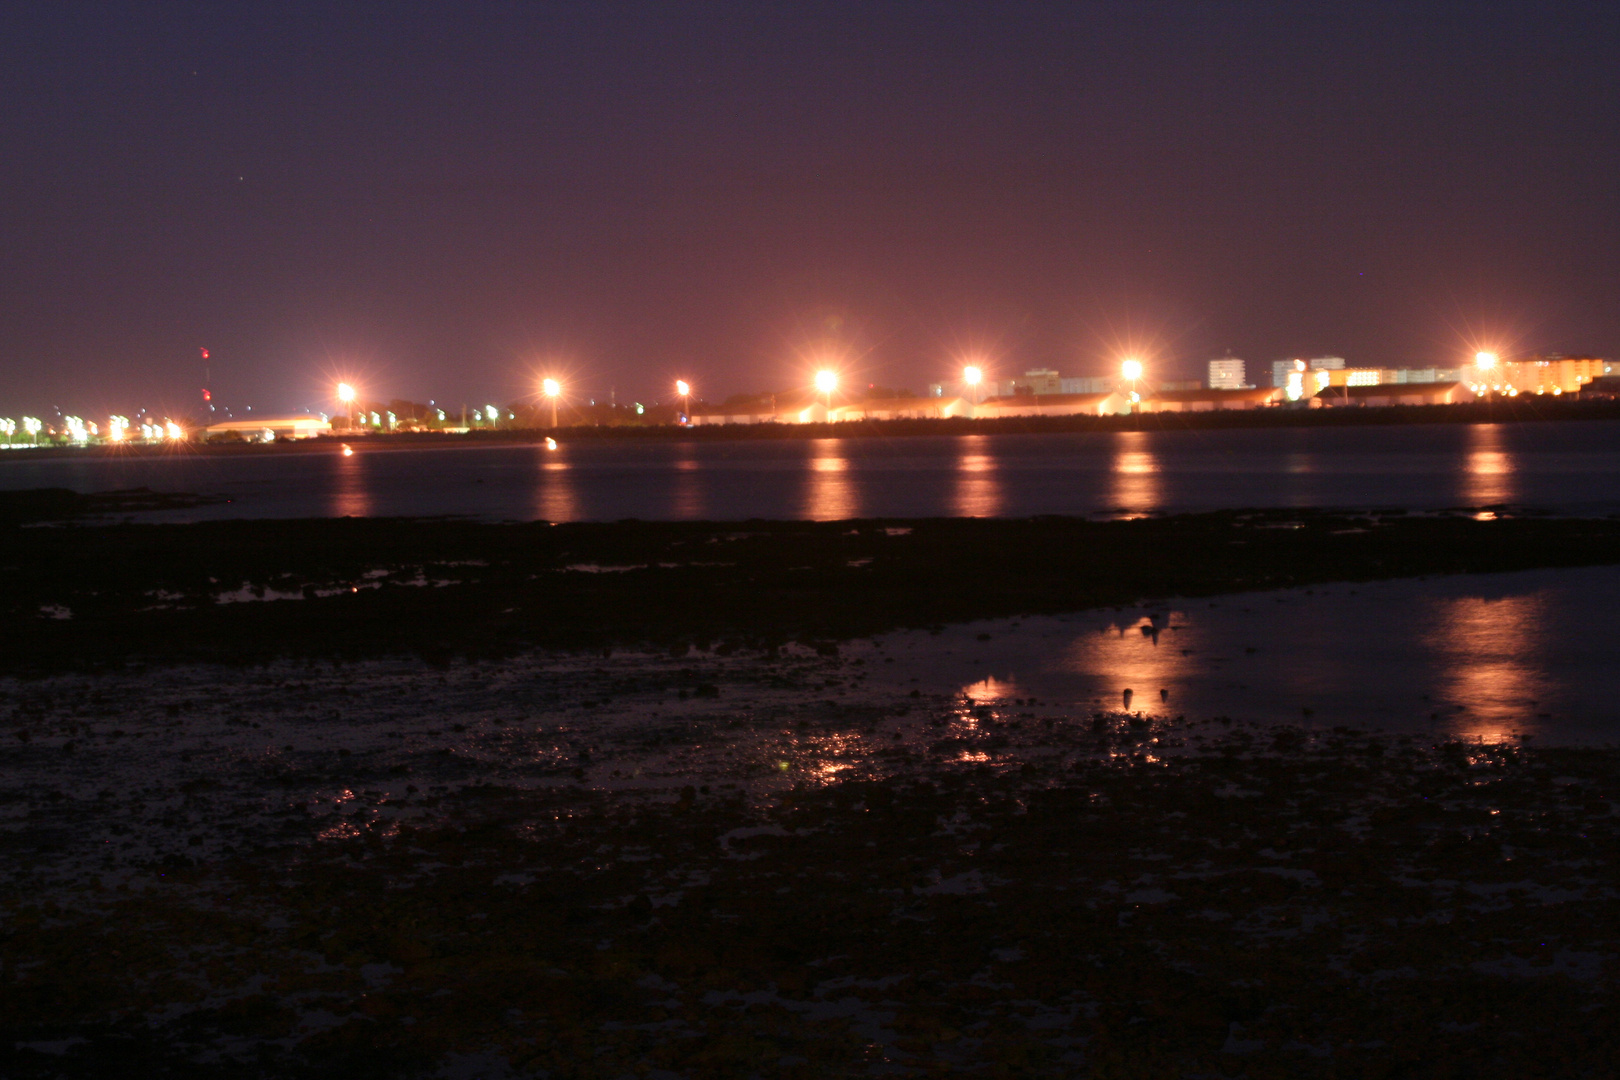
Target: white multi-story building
<point>1033,381</point>
<point>1282,369</point>
<point>1227,373</point>
<point>1082,385</point>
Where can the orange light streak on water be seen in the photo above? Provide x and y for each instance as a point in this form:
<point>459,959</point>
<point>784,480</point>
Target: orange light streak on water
<point>688,493</point>
<point>351,495</point>
<point>978,488</point>
<point>989,690</point>
<point>1135,481</point>
<point>1490,664</point>
<point>1489,468</point>
<point>1143,657</point>
<point>831,494</point>
<point>555,496</point>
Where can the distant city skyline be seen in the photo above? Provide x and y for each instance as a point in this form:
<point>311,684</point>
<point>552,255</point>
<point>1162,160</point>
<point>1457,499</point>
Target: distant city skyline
<point>461,199</point>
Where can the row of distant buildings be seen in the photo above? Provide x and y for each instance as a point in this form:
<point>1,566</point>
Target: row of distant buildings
<point>1316,382</point>
<point>1552,374</point>
<point>1304,378</point>
<point>1319,382</point>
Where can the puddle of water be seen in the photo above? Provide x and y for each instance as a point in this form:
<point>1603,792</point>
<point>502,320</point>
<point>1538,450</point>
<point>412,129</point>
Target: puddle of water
<point>1487,656</point>
<point>201,760</point>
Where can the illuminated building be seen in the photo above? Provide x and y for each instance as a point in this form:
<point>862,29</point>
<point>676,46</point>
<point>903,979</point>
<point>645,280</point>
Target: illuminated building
<point>1365,376</point>
<point>1446,393</point>
<point>1604,386</point>
<point>1107,404</point>
<point>1212,400</point>
<point>1227,373</point>
<point>1048,381</point>
<point>269,428</point>
<point>790,407</point>
<point>1041,381</point>
<point>1283,370</point>
<point>1554,374</point>
<point>902,408</point>
<point>1087,385</point>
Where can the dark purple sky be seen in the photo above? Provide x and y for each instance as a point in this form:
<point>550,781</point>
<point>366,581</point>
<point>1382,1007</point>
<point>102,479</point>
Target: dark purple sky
<point>445,199</point>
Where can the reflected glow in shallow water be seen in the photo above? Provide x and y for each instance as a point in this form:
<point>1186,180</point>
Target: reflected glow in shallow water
<point>1491,657</point>
<point>831,493</point>
<point>1492,661</point>
<point>1488,473</point>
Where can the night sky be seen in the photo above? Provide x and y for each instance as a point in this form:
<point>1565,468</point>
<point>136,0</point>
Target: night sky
<point>445,200</point>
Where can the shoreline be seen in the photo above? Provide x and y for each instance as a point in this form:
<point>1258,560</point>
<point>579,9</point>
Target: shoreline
<point>380,832</point>
<point>1516,411</point>
<point>252,591</point>
<point>298,872</point>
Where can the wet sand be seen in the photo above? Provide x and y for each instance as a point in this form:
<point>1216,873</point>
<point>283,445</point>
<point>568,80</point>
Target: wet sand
<point>788,866</point>
<point>800,856</point>
<point>98,597</point>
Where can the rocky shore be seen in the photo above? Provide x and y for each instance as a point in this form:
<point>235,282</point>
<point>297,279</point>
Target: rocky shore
<point>395,798</point>
<point>733,867</point>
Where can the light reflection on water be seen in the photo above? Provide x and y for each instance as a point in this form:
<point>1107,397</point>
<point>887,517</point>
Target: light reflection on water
<point>1143,657</point>
<point>351,495</point>
<point>988,689</point>
<point>555,497</point>
<point>688,501</point>
<point>1135,489</point>
<point>831,493</point>
<point>1488,474</point>
<point>1563,467</point>
<point>1490,657</point>
<point>978,488</point>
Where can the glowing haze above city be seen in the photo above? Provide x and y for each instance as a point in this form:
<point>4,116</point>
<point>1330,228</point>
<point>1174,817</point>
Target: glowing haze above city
<point>454,203</point>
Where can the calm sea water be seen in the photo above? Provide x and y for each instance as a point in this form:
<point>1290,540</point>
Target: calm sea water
<point>1569,468</point>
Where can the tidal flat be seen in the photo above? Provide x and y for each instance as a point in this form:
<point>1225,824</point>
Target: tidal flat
<point>748,843</point>
<point>88,592</point>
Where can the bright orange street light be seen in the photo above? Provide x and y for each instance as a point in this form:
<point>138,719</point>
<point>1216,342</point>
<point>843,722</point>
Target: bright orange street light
<point>684,389</point>
<point>345,394</point>
<point>973,375</point>
<point>826,383</point>
<point>552,388</point>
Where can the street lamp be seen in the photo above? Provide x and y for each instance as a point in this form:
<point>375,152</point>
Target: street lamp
<point>551,388</point>
<point>684,389</point>
<point>826,383</point>
<point>1131,370</point>
<point>973,376</point>
<point>346,395</point>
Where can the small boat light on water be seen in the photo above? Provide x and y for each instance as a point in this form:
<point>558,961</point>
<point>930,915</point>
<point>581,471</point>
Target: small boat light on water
<point>551,444</point>
<point>348,451</point>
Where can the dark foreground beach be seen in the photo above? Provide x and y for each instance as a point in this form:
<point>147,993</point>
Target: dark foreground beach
<point>625,800</point>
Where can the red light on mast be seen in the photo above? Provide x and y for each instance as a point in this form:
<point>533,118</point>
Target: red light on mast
<point>207,396</point>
